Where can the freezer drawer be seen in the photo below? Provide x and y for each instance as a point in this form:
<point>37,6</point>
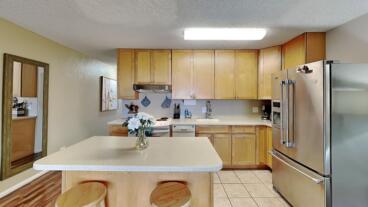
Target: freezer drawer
<point>300,186</point>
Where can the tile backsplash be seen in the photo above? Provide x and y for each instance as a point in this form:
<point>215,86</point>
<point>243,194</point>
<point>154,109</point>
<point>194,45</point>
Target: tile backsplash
<point>219,107</point>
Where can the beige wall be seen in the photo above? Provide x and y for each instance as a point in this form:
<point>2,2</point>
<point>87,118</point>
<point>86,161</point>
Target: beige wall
<point>74,87</point>
<point>349,42</point>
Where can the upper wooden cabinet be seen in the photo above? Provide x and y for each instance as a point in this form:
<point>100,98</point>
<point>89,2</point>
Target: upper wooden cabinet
<point>29,80</point>
<point>246,74</point>
<point>193,74</point>
<point>269,62</point>
<point>203,74</point>
<point>142,66</point>
<point>306,48</point>
<point>153,66</point>
<point>125,74</point>
<point>224,74</point>
<point>161,66</point>
<point>182,77</point>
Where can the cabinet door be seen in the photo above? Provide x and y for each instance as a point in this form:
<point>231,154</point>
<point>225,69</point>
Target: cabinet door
<point>161,66</point>
<point>269,147</point>
<point>29,80</point>
<point>222,145</point>
<point>204,74</point>
<point>224,74</point>
<point>294,52</point>
<point>262,144</point>
<point>143,66</point>
<point>243,149</point>
<point>126,74</point>
<point>182,74</point>
<point>23,138</point>
<point>246,74</point>
<point>316,46</point>
<point>269,63</point>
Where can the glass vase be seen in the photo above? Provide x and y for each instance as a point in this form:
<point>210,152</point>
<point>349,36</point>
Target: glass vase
<point>142,141</point>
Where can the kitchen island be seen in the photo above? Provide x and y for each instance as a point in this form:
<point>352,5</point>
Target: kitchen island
<point>131,175</point>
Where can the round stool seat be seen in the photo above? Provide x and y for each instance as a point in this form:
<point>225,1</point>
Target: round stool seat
<point>171,194</point>
<point>86,194</point>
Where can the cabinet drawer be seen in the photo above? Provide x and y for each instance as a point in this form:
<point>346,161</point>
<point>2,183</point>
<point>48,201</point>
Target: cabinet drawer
<point>244,129</point>
<point>213,129</point>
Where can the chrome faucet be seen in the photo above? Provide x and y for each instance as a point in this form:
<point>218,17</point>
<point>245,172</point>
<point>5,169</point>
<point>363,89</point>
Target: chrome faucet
<point>208,110</point>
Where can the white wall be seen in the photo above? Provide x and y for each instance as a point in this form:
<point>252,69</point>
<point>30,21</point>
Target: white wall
<point>348,43</point>
<point>73,88</point>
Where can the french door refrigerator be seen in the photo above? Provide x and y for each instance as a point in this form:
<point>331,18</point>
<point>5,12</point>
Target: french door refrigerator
<point>320,134</point>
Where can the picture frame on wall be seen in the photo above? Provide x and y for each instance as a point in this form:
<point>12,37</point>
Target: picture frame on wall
<point>108,94</point>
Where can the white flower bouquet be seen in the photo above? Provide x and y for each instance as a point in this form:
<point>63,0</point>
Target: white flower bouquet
<point>141,121</point>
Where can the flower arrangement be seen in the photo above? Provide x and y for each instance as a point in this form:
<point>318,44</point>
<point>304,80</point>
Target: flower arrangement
<point>140,121</point>
<point>138,125</point>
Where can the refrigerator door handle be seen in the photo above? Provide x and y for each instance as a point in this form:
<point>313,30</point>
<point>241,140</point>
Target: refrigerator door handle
<point>290,101</point>
<point>282,83</point>
<point>316,180</point>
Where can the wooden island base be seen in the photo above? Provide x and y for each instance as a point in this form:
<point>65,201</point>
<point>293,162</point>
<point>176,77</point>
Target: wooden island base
<point>131,189</point>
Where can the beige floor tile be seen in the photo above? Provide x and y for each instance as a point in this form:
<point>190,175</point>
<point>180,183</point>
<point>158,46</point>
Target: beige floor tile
<point>259,190</point>
<point>264,175</point>
<point>242,202</point>
<point>222,202</point>
<point>284,203</point>
<point>247,176</point>
<point>228,177</point>
<point>236,190</point>
<point>274,192</point>
<point>218,191</point>
<point>268,202</point>
<point>215,178</point>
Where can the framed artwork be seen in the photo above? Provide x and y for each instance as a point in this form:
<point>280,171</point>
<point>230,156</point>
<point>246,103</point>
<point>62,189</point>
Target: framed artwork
<point>109,94</point>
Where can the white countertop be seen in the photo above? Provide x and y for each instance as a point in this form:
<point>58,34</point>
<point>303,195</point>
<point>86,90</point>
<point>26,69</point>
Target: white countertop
<point>107,153</point>
<point>222,120</point>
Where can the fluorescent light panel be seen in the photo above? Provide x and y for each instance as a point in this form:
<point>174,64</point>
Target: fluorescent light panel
<point>224,33</point>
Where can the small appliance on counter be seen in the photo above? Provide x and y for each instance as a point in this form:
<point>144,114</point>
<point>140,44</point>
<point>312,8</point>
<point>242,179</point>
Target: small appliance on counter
<point>187,114</point>
<point>19,109</point>
<point>176,111</point>
<point>266,112</point>
<point>133,109</point>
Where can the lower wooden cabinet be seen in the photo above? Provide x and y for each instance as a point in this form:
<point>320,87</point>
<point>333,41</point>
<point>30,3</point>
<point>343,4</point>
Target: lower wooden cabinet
<point>236,145</point>
<point>118,130</point>
<point>269,147</point>
<point>23,138</point>
<point>222,145</point>
<point>243,147</point>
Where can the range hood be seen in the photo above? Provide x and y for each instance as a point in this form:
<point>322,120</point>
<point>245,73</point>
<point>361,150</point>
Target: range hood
<point>152,88</point>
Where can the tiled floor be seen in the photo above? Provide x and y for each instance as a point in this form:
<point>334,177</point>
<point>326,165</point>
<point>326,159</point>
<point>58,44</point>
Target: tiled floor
<point>245,188</point>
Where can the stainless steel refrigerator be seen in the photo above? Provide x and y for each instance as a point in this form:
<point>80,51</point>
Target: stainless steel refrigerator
<point>320,134</point>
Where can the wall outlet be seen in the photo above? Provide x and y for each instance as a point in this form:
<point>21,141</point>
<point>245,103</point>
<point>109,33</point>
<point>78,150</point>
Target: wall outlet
<point>204,109</point>
<point>255,109</point>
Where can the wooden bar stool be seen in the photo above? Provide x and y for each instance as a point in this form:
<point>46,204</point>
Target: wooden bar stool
<point>91,194</point>
<point>171,194</point>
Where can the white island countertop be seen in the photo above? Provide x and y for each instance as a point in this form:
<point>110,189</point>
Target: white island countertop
<point>108,153</point>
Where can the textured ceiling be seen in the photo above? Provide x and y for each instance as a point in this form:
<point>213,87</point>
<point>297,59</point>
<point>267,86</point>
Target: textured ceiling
<point>97,27</point>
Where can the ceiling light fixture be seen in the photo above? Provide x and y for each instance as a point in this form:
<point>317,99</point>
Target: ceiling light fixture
<point>224,33</point>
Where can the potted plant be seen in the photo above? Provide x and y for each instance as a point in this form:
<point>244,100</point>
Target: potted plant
<point>138,125</point>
